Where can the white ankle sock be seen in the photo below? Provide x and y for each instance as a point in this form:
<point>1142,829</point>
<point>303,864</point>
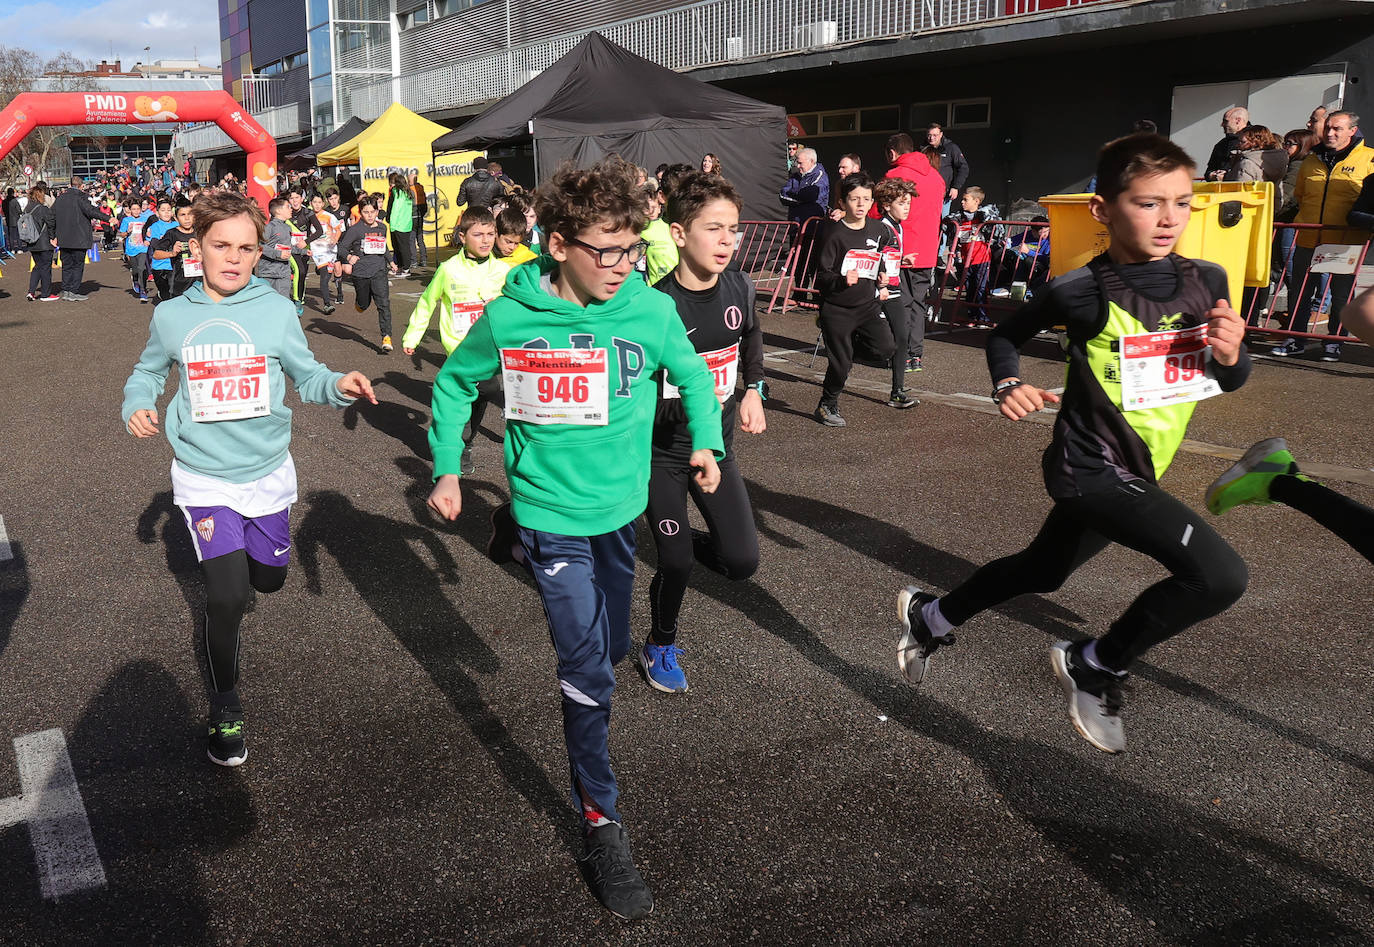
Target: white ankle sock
<point>935,620</point>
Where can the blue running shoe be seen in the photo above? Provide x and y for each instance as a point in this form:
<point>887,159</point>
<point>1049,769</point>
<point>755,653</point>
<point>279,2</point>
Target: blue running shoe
<point>661,669</point>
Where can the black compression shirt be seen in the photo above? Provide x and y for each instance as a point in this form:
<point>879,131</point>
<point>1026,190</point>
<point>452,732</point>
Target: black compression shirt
<point>715,319</point>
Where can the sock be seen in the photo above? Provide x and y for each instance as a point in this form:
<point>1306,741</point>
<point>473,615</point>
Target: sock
<point>1089,655</point>
<point>663,637</point>
<point>222,699</point>
<point>595,819</point>
<point>935,620</point>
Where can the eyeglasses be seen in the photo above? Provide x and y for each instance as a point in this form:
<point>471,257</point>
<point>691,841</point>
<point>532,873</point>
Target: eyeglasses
<point>608,257</point>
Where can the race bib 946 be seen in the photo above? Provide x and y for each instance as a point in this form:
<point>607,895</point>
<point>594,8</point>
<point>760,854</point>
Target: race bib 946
<point>556,386</point>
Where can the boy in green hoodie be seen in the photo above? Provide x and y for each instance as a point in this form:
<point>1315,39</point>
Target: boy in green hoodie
<point>577,337</point>
<point>233,343</point>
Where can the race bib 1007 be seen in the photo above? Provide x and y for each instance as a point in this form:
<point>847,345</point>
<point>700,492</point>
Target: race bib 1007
<point>556,386</point>
<point>1166,368</point>
<point>864,262</point>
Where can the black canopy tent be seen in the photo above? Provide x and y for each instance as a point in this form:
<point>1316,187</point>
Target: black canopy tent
<point>305,158</point>
<point>602,98</point>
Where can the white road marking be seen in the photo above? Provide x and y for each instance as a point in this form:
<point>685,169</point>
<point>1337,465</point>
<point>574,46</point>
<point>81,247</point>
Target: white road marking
<point>50,802</point>
<point>6,553</point>
<point>778,354</point>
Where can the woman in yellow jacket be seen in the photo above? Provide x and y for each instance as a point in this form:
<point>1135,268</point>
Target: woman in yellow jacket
<point>461,288</point>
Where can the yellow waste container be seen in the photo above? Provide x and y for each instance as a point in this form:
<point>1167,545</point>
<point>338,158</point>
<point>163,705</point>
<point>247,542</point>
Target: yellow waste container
<point>1231,225</point>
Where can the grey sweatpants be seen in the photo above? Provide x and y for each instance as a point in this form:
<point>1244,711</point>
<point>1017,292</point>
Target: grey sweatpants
<point>281,284</point>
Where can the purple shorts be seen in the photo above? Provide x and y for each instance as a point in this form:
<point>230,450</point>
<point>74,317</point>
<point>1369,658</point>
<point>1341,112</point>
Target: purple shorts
<point>218,531</point>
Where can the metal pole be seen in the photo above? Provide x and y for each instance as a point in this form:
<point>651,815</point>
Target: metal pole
<point>510,68</point>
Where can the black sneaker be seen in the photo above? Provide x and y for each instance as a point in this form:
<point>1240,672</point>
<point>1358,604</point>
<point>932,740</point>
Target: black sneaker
<point>902,400</point>
<point>227,747</point>
<point>1094,697</point>
<point>328,309</point>
<point>1331,352</point>
<point>1289,346</point>
<point>829,415</point>
<point>503,537</point>
<point>916,644</point>
<point>611,873</point>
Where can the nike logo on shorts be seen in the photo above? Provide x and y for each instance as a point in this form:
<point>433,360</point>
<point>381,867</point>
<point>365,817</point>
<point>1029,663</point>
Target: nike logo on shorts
<point>557,568</point>
<point>282,551</point>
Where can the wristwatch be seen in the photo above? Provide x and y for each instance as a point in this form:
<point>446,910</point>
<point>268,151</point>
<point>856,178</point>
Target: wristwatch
<point>760,386</point>
<point>1003,387</point>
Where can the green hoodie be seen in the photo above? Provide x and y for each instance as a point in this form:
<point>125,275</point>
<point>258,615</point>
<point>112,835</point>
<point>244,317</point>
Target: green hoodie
<point>575,479</point>
<point>194,328</point>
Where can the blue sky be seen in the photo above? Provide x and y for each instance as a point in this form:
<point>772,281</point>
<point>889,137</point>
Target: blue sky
<point>174,29</point>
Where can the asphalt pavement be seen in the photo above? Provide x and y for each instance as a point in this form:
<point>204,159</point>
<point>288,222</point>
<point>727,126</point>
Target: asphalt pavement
<point>407,782</point>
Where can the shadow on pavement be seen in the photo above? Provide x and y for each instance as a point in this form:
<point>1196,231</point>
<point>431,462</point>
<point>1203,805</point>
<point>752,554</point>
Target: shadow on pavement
<point>158,810</point>
<point>338,330</point>
<point>1196,879</point>
<point>14,591</point>
<point>405,594</point>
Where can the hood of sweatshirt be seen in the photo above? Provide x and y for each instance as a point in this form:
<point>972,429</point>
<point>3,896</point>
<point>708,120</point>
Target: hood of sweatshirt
<point>256,289</point>
<point>529,286</point>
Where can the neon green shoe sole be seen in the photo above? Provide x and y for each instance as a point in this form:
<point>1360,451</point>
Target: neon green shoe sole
<point>1248,479</point>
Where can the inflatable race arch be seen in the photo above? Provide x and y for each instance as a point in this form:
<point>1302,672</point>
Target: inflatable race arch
<point>29,110</point>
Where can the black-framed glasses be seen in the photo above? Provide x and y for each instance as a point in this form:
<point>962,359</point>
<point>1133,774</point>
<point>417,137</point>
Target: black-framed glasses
<point>608,257</point>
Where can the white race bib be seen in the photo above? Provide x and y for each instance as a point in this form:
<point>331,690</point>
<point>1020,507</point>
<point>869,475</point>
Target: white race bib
<point>374,243</point>
<point>191,268</point>
<point>136,233</point>
<point>323,251</point>
<point>864,262</point>
<point>465,316</point>
<point>228,389</point>
<point>1166,368</point>
<point>724,366</point>
<point>556,386</point>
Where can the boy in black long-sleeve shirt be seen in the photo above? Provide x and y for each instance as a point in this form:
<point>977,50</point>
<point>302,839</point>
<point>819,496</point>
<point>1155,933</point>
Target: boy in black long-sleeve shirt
<point>364,249</point>
<point>849,261</point>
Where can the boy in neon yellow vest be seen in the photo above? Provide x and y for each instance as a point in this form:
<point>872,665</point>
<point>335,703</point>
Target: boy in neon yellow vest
<point>1150,334</point>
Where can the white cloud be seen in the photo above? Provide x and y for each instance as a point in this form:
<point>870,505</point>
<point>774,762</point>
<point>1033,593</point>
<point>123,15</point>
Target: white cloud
<point>189,28</point>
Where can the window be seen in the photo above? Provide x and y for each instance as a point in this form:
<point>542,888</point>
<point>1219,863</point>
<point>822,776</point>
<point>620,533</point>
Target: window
<point>956,113</point>
<point>971,113</point>
<point>866,121</point>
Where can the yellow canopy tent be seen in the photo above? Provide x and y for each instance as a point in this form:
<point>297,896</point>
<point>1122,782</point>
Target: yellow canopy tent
<point>400,141</point>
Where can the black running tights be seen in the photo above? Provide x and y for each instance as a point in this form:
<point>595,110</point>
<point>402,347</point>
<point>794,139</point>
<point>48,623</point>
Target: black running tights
<point>1349,520</point>
<point>731,548</point>
<point>229,581</point>
<point>1207,575</point>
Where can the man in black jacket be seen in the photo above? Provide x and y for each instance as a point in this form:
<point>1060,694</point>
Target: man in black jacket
<point>74,212</point>
<point>953,165</point>
<point>480,189</point>
<point>1233,120</point>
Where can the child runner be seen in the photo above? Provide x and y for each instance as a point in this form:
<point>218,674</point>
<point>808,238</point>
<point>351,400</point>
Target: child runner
<point>462,285</point>
<point>849,260</point>
<point>232,341</point>
<point>323,231</point>
<point>662,255</point>
<point>136,247</point>
<point>717,307</point>
<point>511,232</point>
<point>275,265</point>
<point>334,206</point>
<point>300,251</point>
<point>363,248</point>
<point>161,267</point>
<point>578,337</point>
<point>893,195</point>
<point>975,251</point>
<point>1117,430</point>
<point>174,246</point>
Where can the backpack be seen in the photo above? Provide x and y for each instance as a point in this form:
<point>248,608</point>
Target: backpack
<point>28,227</point>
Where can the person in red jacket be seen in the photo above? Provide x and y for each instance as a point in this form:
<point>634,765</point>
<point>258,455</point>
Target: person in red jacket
<point>920,237</point>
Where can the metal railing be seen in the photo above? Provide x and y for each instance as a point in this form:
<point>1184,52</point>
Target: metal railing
<point>695,36</point>
<point>284,121</point>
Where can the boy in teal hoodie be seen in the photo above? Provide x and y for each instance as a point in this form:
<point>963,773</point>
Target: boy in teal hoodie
<point>577,338</point>
<point>233,341</point>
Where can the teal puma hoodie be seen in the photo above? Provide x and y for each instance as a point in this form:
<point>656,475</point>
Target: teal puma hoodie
<point>194,328</point>
<point>577,479</point>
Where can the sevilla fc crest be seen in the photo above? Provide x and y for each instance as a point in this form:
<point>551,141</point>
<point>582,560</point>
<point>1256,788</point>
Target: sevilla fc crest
<point>206,528</point>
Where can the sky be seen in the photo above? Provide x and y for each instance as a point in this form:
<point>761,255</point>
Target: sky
<point>87,28</point>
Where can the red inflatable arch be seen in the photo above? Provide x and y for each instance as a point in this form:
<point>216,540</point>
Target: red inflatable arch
<point>29,110</point>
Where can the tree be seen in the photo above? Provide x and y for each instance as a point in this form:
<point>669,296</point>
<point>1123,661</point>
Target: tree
<point>22,70</point>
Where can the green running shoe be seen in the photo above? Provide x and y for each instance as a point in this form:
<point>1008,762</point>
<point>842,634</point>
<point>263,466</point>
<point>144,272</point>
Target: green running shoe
<point>227,747</point>
<point>1248,479</point>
